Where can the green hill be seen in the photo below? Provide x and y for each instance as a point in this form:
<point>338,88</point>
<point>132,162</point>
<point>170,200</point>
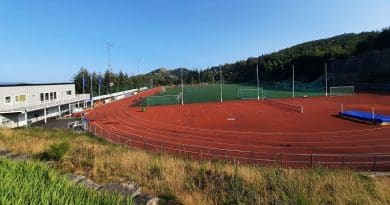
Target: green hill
<point>308,59</point>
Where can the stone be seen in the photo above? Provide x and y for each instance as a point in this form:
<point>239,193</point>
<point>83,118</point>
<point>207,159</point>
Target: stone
<point>75,178</point>
<point>146,200</point>
<point>4,151</point>
<point>128,190</point>
<point>19,156</point>
<point>89,183</point>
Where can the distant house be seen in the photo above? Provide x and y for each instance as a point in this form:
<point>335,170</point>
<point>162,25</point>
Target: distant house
<point>22,104</point>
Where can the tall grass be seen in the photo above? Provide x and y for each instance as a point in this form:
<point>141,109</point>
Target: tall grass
<point>200,182</point>
<point>33,183</point>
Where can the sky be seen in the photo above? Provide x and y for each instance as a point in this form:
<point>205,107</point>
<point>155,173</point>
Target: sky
<point>50,40</point>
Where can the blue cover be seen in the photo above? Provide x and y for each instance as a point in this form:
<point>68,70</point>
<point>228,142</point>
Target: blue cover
<point>366,116</point>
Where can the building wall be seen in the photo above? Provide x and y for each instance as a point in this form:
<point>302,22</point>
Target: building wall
<point>33,93</point>
<point>12,120</point>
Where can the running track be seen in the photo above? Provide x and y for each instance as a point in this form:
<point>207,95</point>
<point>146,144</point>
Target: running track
<point>252,131</point>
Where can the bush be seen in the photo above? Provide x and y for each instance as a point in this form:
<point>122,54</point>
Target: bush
<point>55,151</point>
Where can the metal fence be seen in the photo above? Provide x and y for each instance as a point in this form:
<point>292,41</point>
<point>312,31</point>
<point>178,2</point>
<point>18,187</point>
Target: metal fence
<point>361,162</point>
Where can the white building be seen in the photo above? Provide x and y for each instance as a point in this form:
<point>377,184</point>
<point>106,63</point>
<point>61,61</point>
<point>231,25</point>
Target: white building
<point>22,104</point>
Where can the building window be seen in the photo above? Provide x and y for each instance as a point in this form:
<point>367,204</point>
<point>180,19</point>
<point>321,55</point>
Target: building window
<point>46,96</point>
<point>55,95</point>
<point>20,98</point>
<point>51,96</point>
<point>68,92</point>
<point>42,97</point>
<point>7,99</point>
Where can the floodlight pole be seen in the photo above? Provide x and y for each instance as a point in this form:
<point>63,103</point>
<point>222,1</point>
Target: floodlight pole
<point>258,86</point>
<point>293,80</point>
<point>83,83</point>
<point>109,45</point>
<point>182,87</point>
<point>91,93</point>
<point>326,79</point>
<point>220,76</point>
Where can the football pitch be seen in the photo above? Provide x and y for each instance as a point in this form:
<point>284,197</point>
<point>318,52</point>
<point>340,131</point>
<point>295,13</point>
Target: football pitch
<point>212,93</point>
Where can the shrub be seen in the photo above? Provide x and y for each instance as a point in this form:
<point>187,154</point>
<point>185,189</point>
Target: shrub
<point>55,151</point>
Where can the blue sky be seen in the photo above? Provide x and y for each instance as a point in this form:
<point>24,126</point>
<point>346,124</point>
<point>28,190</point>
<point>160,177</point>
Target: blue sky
<point>49,40</point>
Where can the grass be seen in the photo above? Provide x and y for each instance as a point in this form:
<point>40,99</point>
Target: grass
<point>34,183</point>
<point>199,182</point>
<point>212,93</point>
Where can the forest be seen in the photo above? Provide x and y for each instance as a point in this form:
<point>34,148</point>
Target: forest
<point>307,58</point>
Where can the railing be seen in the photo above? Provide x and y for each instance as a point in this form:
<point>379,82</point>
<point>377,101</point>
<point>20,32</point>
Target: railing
<point>118,93</point>
<point>362,162</point>
<point>23,107</point>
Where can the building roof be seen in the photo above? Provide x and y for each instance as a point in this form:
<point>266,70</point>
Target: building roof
<point>31,84</point>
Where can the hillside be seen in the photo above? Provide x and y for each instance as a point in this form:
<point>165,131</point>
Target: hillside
<point>367,49</point>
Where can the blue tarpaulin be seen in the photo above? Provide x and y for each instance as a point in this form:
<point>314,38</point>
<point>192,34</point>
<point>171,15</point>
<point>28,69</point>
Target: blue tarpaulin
<point>366,116</point>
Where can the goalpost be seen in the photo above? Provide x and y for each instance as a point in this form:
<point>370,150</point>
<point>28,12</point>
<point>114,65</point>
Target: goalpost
<point>163,100</point>
<point>341,90</point>
<point>249,94</point>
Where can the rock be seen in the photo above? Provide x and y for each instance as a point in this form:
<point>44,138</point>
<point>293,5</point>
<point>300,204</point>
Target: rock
<point>146,200</point>
<point>131,189</point>
<point>89,183</point>
<point>4,151</point>
<point>75,178</point>
<point>20,156</point>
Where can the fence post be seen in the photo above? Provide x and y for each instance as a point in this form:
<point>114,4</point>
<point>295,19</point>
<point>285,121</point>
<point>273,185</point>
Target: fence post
<point>130,142</point>
<point>184,150</point>
<point>311,161</point>
<point>201,154</point>
<point>281,159</point>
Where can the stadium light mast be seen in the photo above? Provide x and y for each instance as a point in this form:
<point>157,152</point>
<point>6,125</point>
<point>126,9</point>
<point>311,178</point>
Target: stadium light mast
<point>91,93</point>
<point>109,45</point>
<point>220,76</point>
<point>258,85</point>
<point>293,81</point>
<point>326,79</point>
<point>139,83</point>
<point>182,87</point>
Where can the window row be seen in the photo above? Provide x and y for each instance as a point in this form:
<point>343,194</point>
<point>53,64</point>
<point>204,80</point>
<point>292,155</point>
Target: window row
<point>44,97</point>
<point>18,99</point>
<point>52,96</point>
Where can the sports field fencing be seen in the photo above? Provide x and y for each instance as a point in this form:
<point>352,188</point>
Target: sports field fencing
<point>362,162</point>
<point>341,90</point>
<point>213,93</point>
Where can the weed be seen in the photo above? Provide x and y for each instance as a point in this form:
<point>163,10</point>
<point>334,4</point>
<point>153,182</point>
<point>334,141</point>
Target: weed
<point>55,152</point>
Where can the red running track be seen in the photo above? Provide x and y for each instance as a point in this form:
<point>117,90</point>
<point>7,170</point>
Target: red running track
<point>253,131</point>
